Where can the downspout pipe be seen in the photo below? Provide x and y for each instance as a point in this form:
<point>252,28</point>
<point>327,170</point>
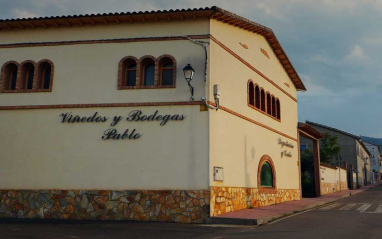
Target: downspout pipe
<point>205,46</point>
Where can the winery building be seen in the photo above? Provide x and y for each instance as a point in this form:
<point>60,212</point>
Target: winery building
<point>156,116</point>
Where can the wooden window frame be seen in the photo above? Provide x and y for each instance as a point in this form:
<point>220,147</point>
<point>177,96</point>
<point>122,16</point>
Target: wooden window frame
<point>122,73</point>
<point>22,81</point>
<point>144,62</point>
<point>161,68</point>
<point>41,76</point>
<point>7,73</point>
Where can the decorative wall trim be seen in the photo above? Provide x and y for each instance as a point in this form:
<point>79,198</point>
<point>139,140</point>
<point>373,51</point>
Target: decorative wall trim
<point>228,199</point>
<point>265,53</point>
<point>251,67</point>
<point>184,206</point>
<point>32,107</point>
<point>252,121</point>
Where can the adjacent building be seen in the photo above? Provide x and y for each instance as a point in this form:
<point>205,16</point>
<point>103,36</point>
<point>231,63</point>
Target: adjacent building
<point>156,116</point>
<point>375,162</point>
<point>353,152</point>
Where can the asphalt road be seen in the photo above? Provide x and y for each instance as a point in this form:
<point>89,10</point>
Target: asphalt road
<point>358,216</point>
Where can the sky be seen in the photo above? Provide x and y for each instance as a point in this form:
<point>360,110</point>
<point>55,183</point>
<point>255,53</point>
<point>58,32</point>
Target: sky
<point>335,46</point>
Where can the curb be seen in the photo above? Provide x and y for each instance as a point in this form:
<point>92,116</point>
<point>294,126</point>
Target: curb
<point>265,220</point>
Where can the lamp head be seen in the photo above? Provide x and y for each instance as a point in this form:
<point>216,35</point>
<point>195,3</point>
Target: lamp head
<point>188,72</point>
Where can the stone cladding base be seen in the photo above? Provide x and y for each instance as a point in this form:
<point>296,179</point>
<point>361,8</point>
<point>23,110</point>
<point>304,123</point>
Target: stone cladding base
<point>185,206</point>
<point>229,199</point>
<point>327,188</point>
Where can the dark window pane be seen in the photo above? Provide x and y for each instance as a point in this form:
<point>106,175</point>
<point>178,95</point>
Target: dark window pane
<point>30,79</point>
<point>167,77</point>
<point>131,78</point>
<point>167,65</point>
<point>132,67</point>
<point>251,94</point>
<point>266,177</point>
<point>13,80</point>
<point>149,74</point>
<point>47,78</point>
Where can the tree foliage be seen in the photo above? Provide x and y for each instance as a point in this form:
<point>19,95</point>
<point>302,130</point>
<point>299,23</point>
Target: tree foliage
<point>329,148</point>
<point>307,173</point>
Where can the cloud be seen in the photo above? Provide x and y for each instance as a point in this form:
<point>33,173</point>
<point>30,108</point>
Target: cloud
<point>23,14</point>
<point>314,88</point>
<point>357,53</point>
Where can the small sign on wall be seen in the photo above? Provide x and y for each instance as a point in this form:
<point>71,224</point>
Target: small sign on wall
<point>218,174</point>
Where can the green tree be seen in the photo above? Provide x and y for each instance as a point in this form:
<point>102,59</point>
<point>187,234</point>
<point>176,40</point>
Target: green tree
<point>329,148</point>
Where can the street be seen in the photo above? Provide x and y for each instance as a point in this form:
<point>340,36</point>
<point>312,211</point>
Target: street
<point>358,216</point>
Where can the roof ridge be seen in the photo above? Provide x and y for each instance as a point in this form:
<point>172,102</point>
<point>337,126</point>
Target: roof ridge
<point>335,129</point>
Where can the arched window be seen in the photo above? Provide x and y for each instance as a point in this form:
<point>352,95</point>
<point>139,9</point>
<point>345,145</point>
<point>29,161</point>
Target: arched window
<point>129,72</point>
<point>251,96</point>
<point>262,95</point>
<point>266,175</point>
<point>269,104</point>
<point>9,79</point>
<point>278,116</point>
<point>273,106</point>
<point>148,72</point>
<point>27,75</point>
<point>167,71</point>
<point>257,97</point>
<point>44,76</point>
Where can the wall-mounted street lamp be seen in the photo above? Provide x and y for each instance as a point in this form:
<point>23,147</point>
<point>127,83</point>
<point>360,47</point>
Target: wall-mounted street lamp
<point>188,74</point>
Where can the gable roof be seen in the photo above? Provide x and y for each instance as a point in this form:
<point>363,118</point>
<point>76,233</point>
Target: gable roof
<point>310,130</point>
<point>358,138</point>
<point>216,13</point>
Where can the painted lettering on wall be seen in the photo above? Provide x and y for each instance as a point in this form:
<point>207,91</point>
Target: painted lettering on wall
<point>285,153</point>
<point>285,143</point>
<point>132,116</point>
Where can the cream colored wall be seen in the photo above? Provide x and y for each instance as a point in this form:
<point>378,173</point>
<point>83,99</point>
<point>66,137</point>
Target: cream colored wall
<point>333,175</point>
<point>344,177</point>
<point>89,71</point>
<point>37,151</point>
<point>232,75</point>
<point>238,145</point>
<point>111,31</point>
<point>328,175</point>
<point>232,36</point>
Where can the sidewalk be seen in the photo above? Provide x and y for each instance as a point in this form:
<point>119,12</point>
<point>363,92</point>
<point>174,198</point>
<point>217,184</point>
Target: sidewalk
<point>262,215</point>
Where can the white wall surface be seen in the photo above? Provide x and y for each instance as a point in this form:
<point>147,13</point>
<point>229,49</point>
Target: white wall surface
<point>37,151</point>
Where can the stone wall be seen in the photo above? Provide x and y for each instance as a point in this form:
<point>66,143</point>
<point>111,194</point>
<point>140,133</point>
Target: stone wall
<point>327,188</point>
<point>166,206</point>
<point>229,199</point>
